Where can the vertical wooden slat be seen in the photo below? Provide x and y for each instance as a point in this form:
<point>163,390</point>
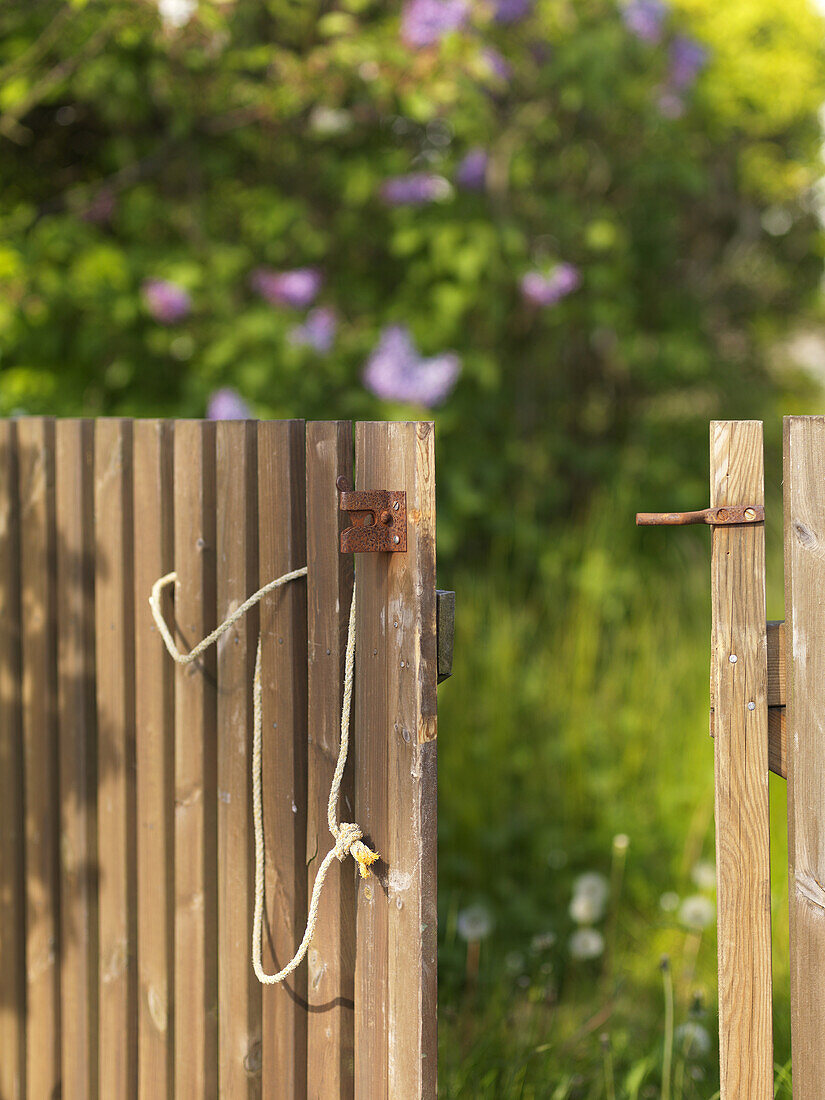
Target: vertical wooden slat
<point>196,1037</point>
<point>372,724</point>
<point>331,957</point>
<point>282,547</point>
<point>237,564</point>
<point>114,656</point>
<point>12,882</point>
<point>739,691</point>
<point>37,599</point>
<point>74,474</point>
<point>155,760</point>
<point>804,470</point>
<point>411,772</point>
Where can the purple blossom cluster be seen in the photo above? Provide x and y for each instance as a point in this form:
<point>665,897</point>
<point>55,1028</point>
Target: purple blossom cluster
<point>397,372</point>
<point>645,19</point>
<point>547,289</point>
<point>511,11</point>
<point>317,331</point>
<point>227,404</point>
<point>687,58</point>
<point>415,189</point>
<point>498,65</point>
<point>297,289</point>
<point>425,22</point>
<point>471,173</point>
<point>166,301</point>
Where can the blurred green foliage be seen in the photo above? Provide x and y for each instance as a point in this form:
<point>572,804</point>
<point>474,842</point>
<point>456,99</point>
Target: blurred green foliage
<point>261,132</point>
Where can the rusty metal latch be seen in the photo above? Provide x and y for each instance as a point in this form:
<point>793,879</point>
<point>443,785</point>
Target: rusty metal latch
<point>713,517</point>
<point>379,520</point>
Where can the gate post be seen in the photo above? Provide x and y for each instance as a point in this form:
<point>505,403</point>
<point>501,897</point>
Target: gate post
<point>740,720</point>
<point>804,477</point>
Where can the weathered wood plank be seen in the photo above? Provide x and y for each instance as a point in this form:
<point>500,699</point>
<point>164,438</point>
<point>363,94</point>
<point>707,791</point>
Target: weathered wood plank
<point>116,841</point>
<point>12,879</point>
<point>196,1031</point>
<point>372,726</point>
<point>739,688</point>
<point>331,957</point>
<point>74,478</point>
<point>283,618</point>
<point>239,1023</point>
<point>154,751</point>
<point>804,481</point>
<point>38,611</point>
<point>411,793</point>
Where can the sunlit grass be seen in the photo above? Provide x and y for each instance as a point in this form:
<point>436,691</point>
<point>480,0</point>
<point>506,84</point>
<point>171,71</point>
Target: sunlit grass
<point>578,712</point>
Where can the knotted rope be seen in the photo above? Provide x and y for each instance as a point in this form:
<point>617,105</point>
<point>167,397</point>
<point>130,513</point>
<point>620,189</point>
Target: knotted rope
<point>347,835</point>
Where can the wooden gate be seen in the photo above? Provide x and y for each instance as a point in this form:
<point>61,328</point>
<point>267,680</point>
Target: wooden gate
<point>768,706</point>
<point>126,844</point>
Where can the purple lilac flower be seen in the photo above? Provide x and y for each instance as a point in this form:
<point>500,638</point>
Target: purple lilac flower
<point>317,331</point>
<point>425,22</point>
<point>645,19</point>
<point>498,65</point>
<point>167,302</point>
<point>687,59</point>
<point>471,173</point>
<point>297,288</point>
<point>227,404</point>
<point>415,189</point>
<point>670,103</point>
<point>511,11</point>
<point>396,372</point>
<point>546,290</point>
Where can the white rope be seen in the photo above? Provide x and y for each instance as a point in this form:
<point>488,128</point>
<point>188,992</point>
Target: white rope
<point>347,835</point>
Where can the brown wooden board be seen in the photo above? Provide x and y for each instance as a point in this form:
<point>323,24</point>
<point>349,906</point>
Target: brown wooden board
<point>282,548</point>
<point>371,725</point>
<point>154,752</point>
<point>12,881</point>
<point>739,691</point>
<point>39,695</point>
<point>74,493</point>
<point>331,957</point>
<point>239,1020</point>
<point>116,837</point>
<point>196,970</point>
<point>804,486</point>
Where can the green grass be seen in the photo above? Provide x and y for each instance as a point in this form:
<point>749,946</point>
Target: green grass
<point>578,711</point>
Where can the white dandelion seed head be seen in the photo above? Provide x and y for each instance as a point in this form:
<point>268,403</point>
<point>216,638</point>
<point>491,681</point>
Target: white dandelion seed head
<point>176,13</point>
<point>669,901</point>
<point>592,885</point>
<point>704,875</point>
<point>621,842</point>
<point>543,941</point>
<point>475,923</point>
<point>586,943</point>
<point>586,909</point>
<point>697,912</point>
<point>693,1039</point>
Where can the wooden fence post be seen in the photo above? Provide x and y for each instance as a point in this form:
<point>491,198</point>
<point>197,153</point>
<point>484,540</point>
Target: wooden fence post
<point>804,477</point>
<point>739,692</point>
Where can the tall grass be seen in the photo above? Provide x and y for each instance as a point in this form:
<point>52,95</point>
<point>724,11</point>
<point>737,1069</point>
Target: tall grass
<point>578,712</point>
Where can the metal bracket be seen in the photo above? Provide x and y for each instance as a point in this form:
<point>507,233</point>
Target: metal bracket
<point>379,520</point>
<point>713,517</point>
<point>445,626</point>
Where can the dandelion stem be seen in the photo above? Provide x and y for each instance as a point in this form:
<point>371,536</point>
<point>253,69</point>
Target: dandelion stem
<point>609,1080</point>
<point>667,1059</point>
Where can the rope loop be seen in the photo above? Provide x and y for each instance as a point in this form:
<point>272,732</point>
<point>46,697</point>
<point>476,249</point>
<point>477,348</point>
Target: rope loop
<point>347,835</point>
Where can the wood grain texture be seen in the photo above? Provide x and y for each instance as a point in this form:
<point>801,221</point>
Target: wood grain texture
<point>74,480</point>
<point>331,957</point>
<point>154,753</point>
<point>39,693</point>
<point>12,880</point>
<point>372,723</point>
<point>804,481</point>
<point>283,618</point>
<point>239,1018</point>
<point>114,658</point>
<point>411,772</point>
<point>739,678</point>
<point>196,970</point>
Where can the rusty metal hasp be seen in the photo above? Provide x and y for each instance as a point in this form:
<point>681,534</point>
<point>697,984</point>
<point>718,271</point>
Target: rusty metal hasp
<point>379,520</point>
<point>713,517</point>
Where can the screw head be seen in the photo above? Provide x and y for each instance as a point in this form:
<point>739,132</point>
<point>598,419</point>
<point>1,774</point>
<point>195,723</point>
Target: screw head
<point>396,539</point>
<point>751,706</point>
<point>396,506</point>
<point>749,513</point>
<point>733,658</point>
